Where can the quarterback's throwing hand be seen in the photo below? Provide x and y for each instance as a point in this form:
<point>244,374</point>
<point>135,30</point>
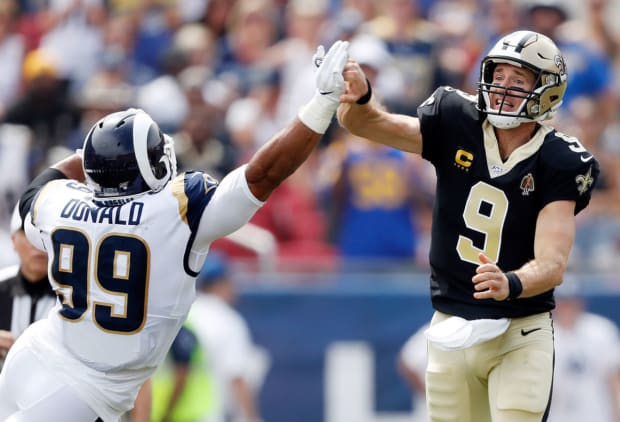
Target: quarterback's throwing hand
<point>328,77</point>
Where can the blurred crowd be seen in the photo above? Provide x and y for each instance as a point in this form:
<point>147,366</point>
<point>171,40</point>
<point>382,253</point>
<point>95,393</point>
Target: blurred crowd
<point>221,76</point>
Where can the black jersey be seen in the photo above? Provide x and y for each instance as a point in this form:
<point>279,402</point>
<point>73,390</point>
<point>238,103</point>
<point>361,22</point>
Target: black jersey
<point>22,302</point>
<point>484,204</point>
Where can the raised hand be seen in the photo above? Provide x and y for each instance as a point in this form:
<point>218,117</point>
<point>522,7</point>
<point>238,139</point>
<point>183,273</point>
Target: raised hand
<point>330,85</point>
<point>328,77</point>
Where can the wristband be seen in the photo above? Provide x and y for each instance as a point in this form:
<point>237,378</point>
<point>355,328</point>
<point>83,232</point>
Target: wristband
<point>366,97</point>
<point>515,287</point>
<point>317,114</point>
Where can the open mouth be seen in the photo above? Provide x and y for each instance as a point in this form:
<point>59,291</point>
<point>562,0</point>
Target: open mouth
<point>504,104</point>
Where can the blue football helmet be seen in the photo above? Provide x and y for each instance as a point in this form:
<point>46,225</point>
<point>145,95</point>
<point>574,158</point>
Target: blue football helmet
<point>126,154</point>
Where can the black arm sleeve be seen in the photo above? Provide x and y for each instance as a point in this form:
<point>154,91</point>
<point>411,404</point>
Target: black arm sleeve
<point>34,187</point>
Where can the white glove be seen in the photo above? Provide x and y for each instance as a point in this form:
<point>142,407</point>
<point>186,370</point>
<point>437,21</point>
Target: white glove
<point>329,79</point>
<point>330,85</point>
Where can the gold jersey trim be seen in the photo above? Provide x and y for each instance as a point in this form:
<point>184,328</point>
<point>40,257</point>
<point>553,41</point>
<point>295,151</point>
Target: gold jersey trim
<point>495,165</point>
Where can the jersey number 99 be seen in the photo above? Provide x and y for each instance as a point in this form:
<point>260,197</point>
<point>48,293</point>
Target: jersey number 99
<point>121,271</point>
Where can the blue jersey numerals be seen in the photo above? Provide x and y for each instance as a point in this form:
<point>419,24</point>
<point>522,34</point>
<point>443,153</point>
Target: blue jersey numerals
<point>121,271</point>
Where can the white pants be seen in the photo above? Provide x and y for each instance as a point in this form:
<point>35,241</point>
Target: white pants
<point>28,393</point>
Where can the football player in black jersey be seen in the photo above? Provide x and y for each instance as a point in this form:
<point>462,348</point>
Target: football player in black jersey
<point>508,190</point>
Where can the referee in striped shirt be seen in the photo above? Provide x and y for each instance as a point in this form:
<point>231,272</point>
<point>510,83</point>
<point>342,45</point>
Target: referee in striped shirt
<point>25,292</point>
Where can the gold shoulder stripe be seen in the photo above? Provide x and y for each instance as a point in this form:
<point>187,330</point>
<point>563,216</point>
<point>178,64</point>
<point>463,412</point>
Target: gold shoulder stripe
<point>42,195</point>
<point>178,190</point>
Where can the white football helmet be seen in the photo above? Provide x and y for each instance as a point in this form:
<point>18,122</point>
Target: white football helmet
<point>537,53</point>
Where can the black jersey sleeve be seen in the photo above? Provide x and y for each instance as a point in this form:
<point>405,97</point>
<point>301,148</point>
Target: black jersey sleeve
<point>443,116</point>
<point>430,114</point>
<point>570,171</point>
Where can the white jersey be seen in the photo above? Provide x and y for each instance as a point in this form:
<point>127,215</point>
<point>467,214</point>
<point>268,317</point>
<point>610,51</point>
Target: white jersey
<point>126,277</point>
<point>585,357</point>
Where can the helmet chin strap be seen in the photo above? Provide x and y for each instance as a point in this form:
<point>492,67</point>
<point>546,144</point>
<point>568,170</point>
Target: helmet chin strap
<point>503,122</point>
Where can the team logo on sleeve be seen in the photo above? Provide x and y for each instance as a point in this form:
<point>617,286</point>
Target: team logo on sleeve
<point>584,181</point>
<point>209,182</point>
<point>527,184</point>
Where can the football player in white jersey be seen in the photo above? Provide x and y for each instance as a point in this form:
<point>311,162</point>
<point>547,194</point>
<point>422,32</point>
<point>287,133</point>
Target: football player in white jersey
<point>124,250</point>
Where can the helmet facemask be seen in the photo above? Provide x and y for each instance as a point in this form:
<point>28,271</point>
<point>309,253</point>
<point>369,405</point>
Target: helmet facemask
<point>538,54</point>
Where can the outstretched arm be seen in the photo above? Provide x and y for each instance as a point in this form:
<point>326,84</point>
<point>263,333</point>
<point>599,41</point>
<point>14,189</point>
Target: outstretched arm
<point>289,148</point>
<point>370,121</point>
<point>279,158</point>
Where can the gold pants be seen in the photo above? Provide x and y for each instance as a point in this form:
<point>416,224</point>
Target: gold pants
<point>506,379</point>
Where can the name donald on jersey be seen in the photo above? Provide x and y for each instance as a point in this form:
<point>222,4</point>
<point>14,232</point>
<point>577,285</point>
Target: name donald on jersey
<point>129,215</point>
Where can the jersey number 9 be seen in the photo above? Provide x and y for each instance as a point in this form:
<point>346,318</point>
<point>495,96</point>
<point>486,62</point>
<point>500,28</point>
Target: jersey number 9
<point>490,225</point>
